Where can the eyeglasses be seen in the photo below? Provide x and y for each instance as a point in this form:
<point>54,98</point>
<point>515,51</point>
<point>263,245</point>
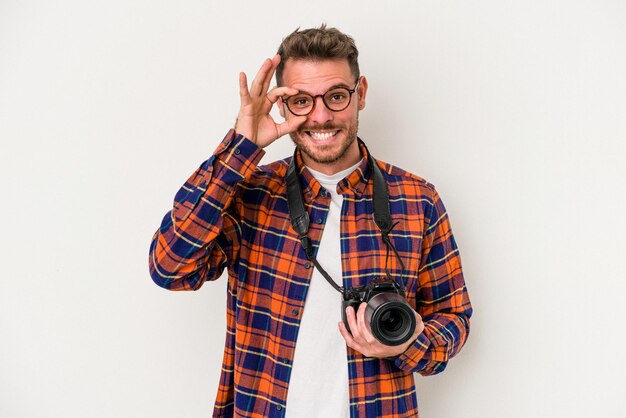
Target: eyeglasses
<point>335,99</point>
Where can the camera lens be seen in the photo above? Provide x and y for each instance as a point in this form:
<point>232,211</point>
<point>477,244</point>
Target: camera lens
<point>391,319</point>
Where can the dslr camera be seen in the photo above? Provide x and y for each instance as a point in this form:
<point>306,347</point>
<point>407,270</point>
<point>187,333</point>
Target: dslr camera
<point>389,316</point>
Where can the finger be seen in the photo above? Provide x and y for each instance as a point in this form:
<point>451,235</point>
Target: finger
<point>363,328</point>
<point>270,74</point>
<point>270,99</point>
<point>277,92</point>
<point>244,94</point>
<point>290,125</point>
<point>348,338</point>
<point>352,323</point>
<point>256,89</point>
<point>345,334</point>
<point>257,82</point>
<point>420,324</point>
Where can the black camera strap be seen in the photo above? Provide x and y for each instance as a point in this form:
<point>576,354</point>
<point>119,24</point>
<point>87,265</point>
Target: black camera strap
<point>300,217</point>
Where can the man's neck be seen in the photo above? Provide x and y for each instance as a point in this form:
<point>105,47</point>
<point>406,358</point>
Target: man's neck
<point>332,179</point>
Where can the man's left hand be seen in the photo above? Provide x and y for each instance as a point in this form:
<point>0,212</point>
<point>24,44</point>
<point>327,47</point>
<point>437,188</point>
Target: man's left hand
<point>362,340</point>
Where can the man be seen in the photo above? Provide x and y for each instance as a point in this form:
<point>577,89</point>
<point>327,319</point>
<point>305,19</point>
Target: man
<point>283,354</point>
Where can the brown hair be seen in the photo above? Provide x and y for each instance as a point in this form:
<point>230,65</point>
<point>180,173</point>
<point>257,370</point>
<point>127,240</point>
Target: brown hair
<point>317,44</point>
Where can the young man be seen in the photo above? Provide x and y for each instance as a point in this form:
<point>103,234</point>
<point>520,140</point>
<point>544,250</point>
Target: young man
<point>288,351</point>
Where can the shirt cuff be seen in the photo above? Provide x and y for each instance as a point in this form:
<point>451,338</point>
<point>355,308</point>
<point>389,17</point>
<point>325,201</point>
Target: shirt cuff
<point>410,358</point>
<point>239,153</point>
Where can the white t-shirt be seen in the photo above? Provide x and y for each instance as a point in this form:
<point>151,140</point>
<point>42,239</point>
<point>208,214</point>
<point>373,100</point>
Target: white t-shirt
<point>318,386</point>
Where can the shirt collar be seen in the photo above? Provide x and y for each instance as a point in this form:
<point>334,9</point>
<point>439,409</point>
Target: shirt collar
<point>355,183</point>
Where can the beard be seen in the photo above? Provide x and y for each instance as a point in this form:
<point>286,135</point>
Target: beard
<point>324,154</point>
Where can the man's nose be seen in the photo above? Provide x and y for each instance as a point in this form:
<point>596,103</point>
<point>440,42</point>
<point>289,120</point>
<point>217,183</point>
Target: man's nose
<point>320,113</point>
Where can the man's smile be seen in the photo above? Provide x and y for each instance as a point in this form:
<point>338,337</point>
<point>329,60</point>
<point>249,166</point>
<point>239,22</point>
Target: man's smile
<point>321,135</point>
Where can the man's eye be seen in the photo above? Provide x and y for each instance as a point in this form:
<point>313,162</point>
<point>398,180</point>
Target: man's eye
<point>300,101</point>
<point>337,97</point>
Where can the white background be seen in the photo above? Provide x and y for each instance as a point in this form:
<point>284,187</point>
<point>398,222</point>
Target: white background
<point>515,110</point>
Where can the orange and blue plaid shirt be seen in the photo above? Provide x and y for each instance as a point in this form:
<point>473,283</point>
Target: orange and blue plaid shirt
<point>233,215</point>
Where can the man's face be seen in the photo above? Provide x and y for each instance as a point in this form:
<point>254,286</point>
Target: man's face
<point>327,139</point>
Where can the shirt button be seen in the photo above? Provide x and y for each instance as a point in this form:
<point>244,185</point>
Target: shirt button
<point>309,195</point>
<point>307,265</point>
<point>357,190</point>
<point>237,151</point>
<point>318,220</point>
<point>294,312</point>
<point>278,407</point>
<point>227,143</point>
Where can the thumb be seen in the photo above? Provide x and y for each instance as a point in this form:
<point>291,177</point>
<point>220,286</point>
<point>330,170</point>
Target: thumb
<point>290,125</point>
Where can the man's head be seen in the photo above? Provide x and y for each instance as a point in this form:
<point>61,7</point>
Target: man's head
<point>318,44</point>
<point>316,62</point>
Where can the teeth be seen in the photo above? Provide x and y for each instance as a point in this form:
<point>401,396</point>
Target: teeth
<point>322,135</point>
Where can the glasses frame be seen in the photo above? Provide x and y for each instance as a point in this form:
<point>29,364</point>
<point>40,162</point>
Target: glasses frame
<point>350,92</point>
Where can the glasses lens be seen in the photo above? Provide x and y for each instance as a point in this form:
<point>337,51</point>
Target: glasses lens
<point>337,99</point>
<point>300,104</point>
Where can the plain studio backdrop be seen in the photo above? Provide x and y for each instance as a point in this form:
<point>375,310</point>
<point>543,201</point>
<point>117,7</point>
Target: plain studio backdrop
<point>515,110</point>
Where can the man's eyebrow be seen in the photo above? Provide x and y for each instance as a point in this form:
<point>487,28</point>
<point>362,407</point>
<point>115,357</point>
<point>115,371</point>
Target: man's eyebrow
<point>344,85</point>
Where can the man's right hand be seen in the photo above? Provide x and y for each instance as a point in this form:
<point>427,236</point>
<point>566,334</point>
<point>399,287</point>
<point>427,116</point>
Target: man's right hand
<point>254,120</point>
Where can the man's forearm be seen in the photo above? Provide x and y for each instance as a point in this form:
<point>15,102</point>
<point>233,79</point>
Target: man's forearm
<point>443,337</point>
<point>442,298</point>
<point>197,235</point>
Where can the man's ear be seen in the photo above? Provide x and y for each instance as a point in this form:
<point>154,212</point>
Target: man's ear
<point>362,92</point>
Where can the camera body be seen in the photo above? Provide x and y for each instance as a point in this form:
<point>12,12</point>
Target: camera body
<point>388,315</point>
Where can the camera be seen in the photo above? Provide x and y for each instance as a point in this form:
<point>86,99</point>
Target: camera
<point>387,313</point>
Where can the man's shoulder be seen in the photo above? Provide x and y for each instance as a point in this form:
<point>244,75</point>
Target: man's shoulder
<point>398,177</point>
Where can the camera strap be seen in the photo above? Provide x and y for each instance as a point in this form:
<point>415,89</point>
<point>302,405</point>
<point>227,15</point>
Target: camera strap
<point>300,217</point>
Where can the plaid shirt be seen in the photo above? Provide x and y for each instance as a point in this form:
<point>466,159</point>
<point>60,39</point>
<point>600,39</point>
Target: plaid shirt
<point>231,214</point>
